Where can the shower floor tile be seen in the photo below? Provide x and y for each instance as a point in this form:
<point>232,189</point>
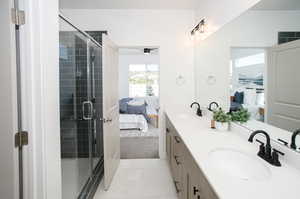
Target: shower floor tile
<point>140,179</point>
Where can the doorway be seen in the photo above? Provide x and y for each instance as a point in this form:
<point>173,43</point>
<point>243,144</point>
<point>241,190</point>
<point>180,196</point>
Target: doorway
<point>139,102</point>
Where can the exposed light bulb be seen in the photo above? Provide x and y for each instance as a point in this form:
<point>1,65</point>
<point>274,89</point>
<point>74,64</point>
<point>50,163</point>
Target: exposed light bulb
<point>202,28</point>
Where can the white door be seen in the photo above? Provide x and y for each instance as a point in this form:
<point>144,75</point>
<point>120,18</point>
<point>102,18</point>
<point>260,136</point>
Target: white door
<point>283,86</point>
<point>8,115</point>
<point>111,130</point>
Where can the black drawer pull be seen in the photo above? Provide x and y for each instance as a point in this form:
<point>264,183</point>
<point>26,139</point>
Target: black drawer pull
<point>167,130</point>
<point>176,160</point>
<point>198,197</point>
<point>177,139</point>
<point>177,189</point>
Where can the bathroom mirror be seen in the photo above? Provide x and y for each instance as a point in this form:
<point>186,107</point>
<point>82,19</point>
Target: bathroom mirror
<point>260,53</point>
<point>264,74</point>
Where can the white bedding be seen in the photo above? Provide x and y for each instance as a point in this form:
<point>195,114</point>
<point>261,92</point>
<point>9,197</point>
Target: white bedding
<point>132,121</point>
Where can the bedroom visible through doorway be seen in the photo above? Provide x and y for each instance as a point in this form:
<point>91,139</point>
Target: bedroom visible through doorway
<point>139,102</point>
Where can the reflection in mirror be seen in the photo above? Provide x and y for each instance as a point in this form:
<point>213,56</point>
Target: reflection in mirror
<point>263,47</point>
<point>264,68</point>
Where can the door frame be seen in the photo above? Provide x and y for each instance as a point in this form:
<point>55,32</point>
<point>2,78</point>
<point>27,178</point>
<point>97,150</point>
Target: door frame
<point>40,97</point>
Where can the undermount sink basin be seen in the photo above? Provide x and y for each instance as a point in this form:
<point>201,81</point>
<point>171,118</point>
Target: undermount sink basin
<point>238,164</point>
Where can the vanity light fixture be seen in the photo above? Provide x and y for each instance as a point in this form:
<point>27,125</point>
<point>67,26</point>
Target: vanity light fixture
<point>199,28</point>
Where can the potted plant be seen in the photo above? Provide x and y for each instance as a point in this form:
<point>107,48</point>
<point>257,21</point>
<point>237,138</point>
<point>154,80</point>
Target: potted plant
<point>241,116</point>
<point>222,119</point>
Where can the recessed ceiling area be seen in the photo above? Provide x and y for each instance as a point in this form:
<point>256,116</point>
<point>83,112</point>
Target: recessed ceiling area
<point>277,5</point>
<point>128,4</point>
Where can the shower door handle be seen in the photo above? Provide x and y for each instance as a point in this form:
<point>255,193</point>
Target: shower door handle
<point>89,115</point>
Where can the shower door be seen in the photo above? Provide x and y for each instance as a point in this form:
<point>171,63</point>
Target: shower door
<point>77,112</point>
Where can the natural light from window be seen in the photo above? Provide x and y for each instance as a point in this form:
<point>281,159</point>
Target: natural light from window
<point>250,60</point>
<point>143,80</point>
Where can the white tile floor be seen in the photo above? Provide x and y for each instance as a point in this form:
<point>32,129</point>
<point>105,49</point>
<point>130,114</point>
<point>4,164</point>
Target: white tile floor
<point>140,179</point>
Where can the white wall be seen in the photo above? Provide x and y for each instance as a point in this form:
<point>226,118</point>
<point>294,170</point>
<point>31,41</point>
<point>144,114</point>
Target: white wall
<point>252,29</point>
<point>124,62</point>
<point>167,29</point>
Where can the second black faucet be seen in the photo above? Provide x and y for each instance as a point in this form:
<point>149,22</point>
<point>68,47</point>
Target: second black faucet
<point>265,152</point>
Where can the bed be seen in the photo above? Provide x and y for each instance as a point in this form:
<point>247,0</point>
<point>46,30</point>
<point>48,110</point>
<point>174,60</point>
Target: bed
<point>133,122</point>
<point>139,137</point>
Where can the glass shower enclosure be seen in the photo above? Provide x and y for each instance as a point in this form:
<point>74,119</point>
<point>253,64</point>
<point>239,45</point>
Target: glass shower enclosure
<point>80,64</point>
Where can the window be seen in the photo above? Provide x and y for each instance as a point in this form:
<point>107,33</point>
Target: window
<point>250,60</point>
<point>143,80</point>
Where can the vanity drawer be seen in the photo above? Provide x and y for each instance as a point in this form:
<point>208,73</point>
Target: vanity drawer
<point>170,132</point>
<point>199,186</point>
<point>189,181</point>
<point>176,156</point>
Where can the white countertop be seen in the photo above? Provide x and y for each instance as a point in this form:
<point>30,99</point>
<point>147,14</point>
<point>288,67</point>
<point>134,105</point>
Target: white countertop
<point>200,139</point>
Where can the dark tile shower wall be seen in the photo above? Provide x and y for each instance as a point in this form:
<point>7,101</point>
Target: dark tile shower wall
<point>67,95</point>
<point>82,91</point>
<point>284,37</point>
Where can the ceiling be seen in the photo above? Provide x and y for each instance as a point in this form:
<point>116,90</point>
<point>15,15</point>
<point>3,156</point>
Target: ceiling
<point>128,4</point>
<point>277,5</point>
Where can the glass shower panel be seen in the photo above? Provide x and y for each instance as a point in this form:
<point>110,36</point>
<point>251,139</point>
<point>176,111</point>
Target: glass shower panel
<point>95,53</point>
<point>75,110</point>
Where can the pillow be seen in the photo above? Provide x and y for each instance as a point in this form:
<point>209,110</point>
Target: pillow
<point>136,102</point>
<point>239,97</point>
<point>139,110</point>
<point>123,104</point>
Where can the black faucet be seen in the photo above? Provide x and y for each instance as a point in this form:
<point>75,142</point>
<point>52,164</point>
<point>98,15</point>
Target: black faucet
<point>293,142</point>
<point>209,106</point>
<point>199,111</point>
<point>265,152</point>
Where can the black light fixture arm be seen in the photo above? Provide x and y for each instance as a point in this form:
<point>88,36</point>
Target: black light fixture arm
<point>199,27</point>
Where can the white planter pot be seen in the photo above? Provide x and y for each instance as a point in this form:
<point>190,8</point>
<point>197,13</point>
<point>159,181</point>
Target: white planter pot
<point>222,126</point>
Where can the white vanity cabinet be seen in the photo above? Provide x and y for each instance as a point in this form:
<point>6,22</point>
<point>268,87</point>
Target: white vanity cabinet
<point>188,178</point>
